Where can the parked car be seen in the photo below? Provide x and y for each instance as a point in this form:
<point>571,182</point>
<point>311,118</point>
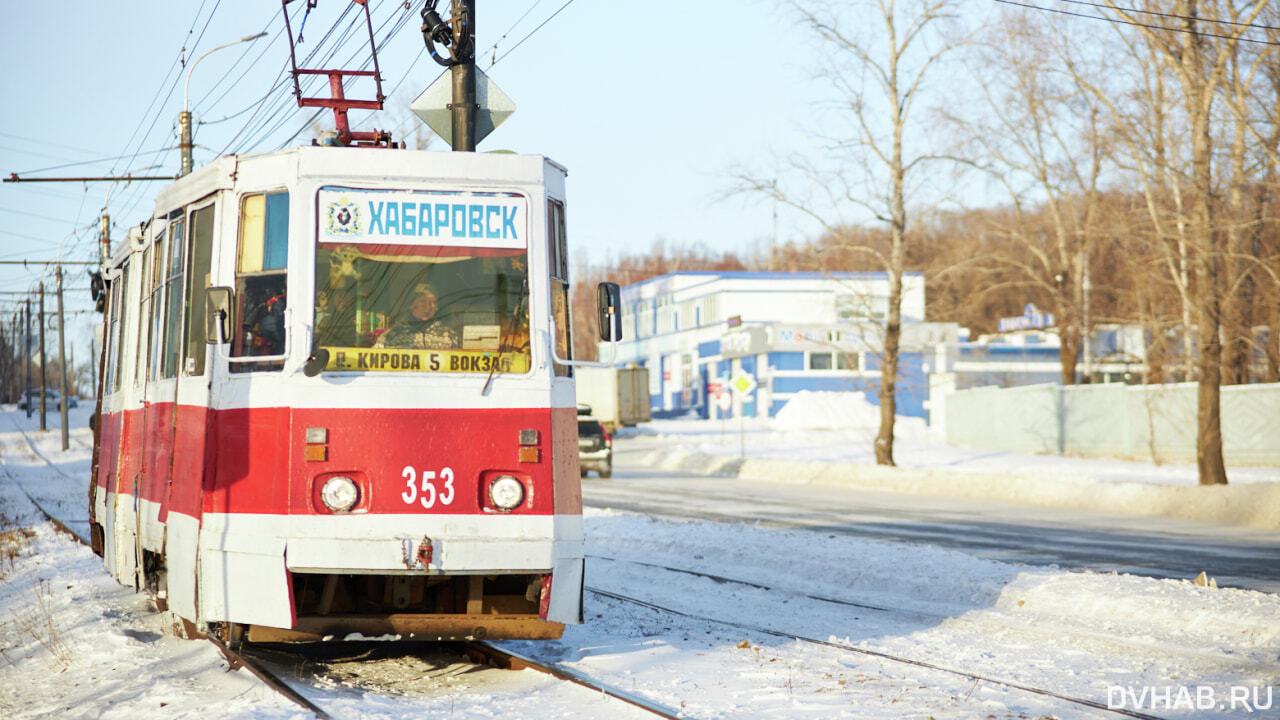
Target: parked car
<point>52,398</point>
<point>595,447</point>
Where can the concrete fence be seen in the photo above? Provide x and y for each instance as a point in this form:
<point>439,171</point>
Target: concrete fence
<point>1139,422</point>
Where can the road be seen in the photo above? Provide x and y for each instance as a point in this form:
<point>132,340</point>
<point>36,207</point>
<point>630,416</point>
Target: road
<point>1146,546</point>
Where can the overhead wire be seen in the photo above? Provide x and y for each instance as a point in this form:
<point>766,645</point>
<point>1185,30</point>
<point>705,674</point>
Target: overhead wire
<point>494,50</point>
<point>231,73</point>
<point>132,198</point>
<point>398,25</point>
<point>1171,15</point>
<point>281,104</point>
<point>178,66</point>
<point>86,162</point>
<point>531,33</point>
<point>1121,21</point>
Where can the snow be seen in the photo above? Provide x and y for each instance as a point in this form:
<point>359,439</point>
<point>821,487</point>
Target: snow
<point>827,438</point>
<point>74,643</point>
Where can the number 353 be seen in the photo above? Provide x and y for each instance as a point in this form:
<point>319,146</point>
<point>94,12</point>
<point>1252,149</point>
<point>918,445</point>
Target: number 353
<point>425,485</point>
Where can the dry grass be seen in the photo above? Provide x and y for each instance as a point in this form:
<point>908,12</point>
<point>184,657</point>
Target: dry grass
<point>13,542</point>
<point>32,619</point>
<point>36,620</point>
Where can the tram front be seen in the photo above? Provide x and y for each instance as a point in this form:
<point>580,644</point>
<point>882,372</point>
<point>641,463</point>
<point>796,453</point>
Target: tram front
<point>413,457</point>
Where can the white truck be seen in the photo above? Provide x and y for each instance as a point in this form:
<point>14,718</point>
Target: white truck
<point>618,396</point>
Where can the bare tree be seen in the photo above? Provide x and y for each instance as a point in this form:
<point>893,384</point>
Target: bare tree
<point>1199,59</point>
<point>1043,136</point>
<point>883,51</point>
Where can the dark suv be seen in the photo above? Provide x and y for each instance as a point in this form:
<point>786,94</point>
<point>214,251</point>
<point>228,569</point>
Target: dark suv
<point>595,447</point>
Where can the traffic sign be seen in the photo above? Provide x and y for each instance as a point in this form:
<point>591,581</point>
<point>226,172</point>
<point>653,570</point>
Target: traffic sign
<point>724,400</point>
<point>432,106</point>
<point>743,383</point>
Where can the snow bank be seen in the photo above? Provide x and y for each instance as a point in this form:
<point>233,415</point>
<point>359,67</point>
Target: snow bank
<point>1254,505</point>
<point>827,411</point>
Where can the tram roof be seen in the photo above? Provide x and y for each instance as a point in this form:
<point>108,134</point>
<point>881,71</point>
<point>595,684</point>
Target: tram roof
<point>279,168</point>
<point>346,164</point>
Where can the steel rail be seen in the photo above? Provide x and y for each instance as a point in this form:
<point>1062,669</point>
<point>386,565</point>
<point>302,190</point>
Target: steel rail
<point>57,523</point>
<point>236,661</point>
<point>881,655</point>
<point>924,614</point>
<point>512,660</point>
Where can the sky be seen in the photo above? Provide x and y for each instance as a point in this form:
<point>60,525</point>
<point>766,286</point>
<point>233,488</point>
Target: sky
<point>652,107</point>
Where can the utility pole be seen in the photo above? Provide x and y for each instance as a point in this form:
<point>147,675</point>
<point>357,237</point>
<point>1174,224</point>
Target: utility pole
<point>104,235</point>
<point>26,351</point>
<point>464,107</point>
<point>44,362</point>
<point>10,357</point>
<point>62,361</point>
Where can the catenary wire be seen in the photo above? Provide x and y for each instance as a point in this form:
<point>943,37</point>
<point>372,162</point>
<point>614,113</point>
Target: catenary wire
<point>1119,21</point>
<point>494,49</point>
<point>531,33</point>
<point>1175,16</point>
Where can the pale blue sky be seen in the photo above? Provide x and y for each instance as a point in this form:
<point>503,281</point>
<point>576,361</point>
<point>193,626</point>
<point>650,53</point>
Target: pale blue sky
<point>651,106</point>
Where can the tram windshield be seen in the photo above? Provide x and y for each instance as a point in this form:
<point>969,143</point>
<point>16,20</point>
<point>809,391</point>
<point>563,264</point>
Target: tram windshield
<point>422,281</point>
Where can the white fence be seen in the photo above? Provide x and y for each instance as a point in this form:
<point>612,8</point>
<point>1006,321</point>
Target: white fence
<point>1139,422</point>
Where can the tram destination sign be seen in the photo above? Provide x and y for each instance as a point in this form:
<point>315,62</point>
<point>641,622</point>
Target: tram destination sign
<point>423,218</point>
<point>436,361</point>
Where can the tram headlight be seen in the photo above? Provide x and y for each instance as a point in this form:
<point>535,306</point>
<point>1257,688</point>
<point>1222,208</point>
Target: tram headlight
<point>340,493</point>
<point>506,493</point>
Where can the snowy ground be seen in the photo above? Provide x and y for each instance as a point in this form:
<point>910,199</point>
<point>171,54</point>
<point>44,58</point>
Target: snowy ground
<point>826,438</point>
<point>840,427</point>
<point>73,643</point>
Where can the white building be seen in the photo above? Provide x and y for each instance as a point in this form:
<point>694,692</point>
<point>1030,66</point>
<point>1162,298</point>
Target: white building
<point>788,331</point>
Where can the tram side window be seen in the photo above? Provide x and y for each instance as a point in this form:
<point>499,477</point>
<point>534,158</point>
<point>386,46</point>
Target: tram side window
<point>173,279</point>
<point>558,260</point>
<point>113,335</point>
<point>144,293</point>
<point>155,291</point>
<point>197,283</point>
<point>261,265</point>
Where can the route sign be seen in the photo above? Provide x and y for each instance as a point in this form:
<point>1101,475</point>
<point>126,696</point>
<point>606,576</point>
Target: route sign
<point>743,383</point>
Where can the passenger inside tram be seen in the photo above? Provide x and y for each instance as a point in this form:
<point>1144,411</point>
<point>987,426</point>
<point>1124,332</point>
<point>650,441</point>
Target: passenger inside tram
<point>453,301</point>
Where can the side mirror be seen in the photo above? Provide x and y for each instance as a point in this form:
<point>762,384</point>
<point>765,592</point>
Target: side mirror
<point>318,361</point>
<point>609,305</point>
<point>217,310</point>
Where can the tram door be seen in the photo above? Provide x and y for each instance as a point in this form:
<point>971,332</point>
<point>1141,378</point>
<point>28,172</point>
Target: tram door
<point>182,431</point>
<point>162,302</point>
<point>113,425</point>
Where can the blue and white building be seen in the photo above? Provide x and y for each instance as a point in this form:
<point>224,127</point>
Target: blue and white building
<point>696,331</point>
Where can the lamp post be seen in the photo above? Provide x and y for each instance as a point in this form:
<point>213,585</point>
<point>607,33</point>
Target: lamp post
<point>184,117</point>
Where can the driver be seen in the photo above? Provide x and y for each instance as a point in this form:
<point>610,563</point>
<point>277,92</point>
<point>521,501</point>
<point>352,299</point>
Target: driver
<point>419,329</point>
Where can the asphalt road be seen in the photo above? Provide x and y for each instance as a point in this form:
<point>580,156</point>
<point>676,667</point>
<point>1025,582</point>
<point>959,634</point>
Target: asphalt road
<point>1152,547</point>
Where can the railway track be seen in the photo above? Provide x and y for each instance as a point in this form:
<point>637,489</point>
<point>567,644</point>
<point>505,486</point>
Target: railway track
<point>489,654</point>
<point>481,654</point>
<point>1083,702</point>
<point>1044,630</point>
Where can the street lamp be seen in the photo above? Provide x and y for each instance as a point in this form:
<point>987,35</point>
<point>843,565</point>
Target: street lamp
<point>184,118</point>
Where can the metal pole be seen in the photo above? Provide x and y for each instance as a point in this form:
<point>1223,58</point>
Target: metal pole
<point>104,235</point>
<point>464,104</point>
<point>62,362</point>
<point>26,351</point>
<point>44,362</point>
<point>10,358</point>
<point>184,117</point>
<point>184,143</point>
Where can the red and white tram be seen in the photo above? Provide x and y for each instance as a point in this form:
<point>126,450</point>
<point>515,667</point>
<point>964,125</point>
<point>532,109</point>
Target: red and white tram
<point>336,399</point>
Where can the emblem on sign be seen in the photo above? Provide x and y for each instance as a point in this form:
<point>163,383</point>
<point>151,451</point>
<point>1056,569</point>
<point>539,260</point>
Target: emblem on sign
<point>344,218</point>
